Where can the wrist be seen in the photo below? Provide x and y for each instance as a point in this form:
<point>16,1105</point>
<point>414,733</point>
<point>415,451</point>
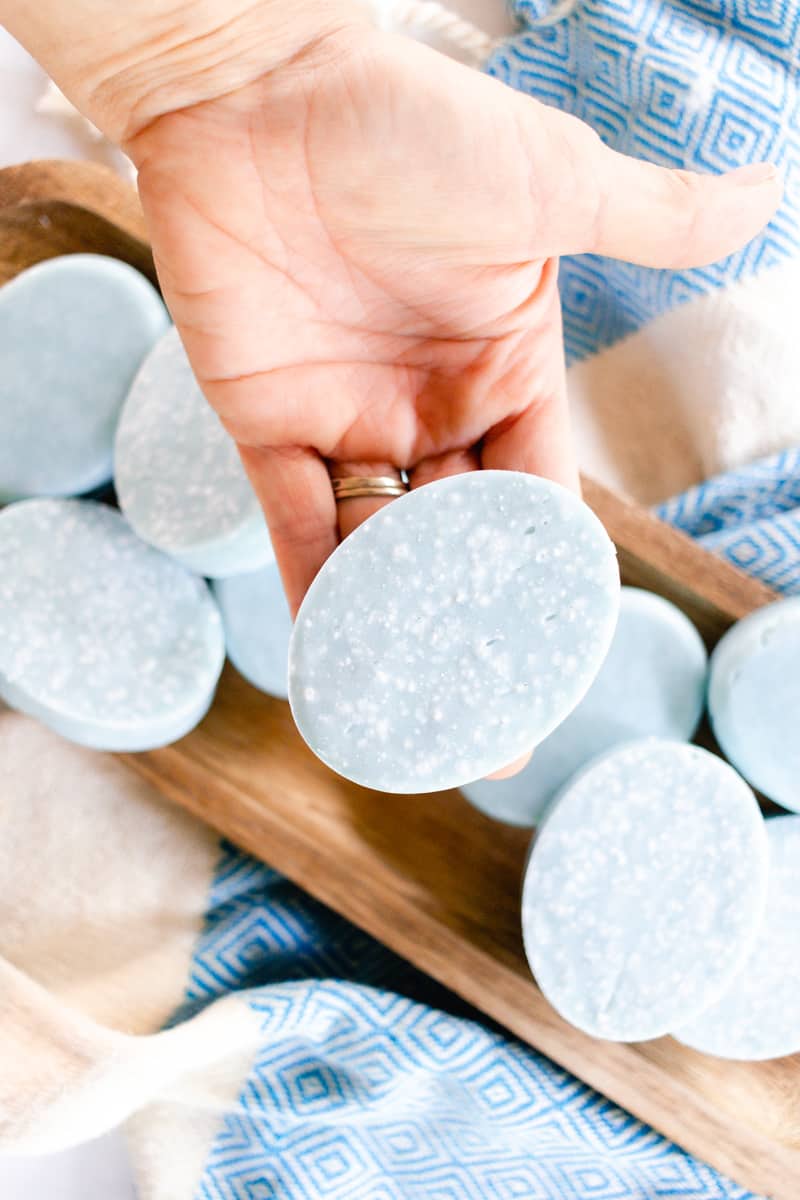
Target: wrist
<point>126,65</point>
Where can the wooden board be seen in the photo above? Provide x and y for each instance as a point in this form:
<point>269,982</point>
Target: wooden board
<point>428,875</point>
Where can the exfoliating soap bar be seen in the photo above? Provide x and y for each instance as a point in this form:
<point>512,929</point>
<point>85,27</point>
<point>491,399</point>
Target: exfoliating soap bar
<point>452,631</point>
<point>645,889</point>
<point>103,638</point>
<point>652,684</point>
<point>258,627</point>
<point>178,475</point>
<point>73,332</point>
<point>754,699</point>
<point>758,1017</point>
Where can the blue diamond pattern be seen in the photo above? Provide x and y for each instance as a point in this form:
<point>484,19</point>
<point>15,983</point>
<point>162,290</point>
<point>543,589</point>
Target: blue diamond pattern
<point>683,83</point>
<point>364,1093</point>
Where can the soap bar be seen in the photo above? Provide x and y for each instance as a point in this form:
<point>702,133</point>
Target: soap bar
<point>178,475</point>
<point>452,631</point>
<point>758,1016</point>
<point>754,699</point>
<point>73,332</point>
<point>651,684</point>
<point>645,889</point>
<point>102,638</point>
<point>258,626</point>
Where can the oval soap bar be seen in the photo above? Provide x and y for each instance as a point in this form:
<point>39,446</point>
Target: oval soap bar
<point>758,1016</point>
<point>452,631</point>
<point>652,684</point>
<point>258,626</point>
<point>178,475</point>
<point>645,889</point>
<point>102,638</point>
<point>754,699</point>
<point>73,332</point>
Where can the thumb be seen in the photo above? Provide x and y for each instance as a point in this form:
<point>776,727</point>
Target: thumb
<point>594,199</point>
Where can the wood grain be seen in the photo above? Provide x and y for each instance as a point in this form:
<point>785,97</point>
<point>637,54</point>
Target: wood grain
<point>49,208</point>
<point>429,875</point>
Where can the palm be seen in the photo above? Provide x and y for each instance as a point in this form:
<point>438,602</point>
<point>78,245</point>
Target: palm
<point>360,271</point>
<point>358,254</point>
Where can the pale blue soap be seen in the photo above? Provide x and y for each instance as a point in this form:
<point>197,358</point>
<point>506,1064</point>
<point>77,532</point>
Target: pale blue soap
<point>73,332</point>
<point>758,1017</point>
<point>645,889</point>
<point>754,699</point>
<point>652,683</point>
<point>452,631</point>
<point>178,474</point>
<point>258,627</point>
<point>103,638</point>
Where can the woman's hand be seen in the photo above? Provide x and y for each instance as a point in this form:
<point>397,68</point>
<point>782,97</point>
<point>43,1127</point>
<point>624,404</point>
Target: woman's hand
<point>359,245</point>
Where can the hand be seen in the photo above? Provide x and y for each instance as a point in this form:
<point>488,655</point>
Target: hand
<point>360,250</point>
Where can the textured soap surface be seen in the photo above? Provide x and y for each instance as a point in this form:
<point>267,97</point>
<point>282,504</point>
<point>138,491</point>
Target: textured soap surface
<point>754,699</point>
<point>758,1016</point>
<point>258,627</point>
<point>645,889</point>
<point>652,684</point>
<point>178,474</point>
<point>104,639</point>
<point>453,630</point>
<point>73,332</point>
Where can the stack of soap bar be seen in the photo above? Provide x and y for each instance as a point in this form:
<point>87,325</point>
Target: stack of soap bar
<point>102,638</point>
<point>73,332</point>
<point>258,627</point>
<point>178,475</point>
<point>645,889</point>
<point>754,699</point>
<point>651,684</point>
<point>452,631</point>
<point>758,1016</point>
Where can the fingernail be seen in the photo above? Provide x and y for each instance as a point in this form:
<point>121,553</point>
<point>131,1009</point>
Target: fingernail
<point>755,175</point>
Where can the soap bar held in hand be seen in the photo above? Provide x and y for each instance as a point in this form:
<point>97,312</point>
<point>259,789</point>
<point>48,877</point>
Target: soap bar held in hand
<point>452,631</point>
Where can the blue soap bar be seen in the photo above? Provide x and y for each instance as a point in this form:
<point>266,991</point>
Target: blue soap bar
<point>651,684</point>
<point>645,889</point>
<point>258,627</point>
<point>73,332</point>
<point>452,631</point>
<point>754,699</point>
<point>758,1017</point>
<point>178,475</point>
<point>103,638</point>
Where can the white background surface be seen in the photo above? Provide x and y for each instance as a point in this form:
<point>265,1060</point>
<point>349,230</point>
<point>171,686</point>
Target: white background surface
<point>98,1170</point>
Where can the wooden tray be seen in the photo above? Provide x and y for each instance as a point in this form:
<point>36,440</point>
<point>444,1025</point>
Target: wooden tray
<point>428,875</point>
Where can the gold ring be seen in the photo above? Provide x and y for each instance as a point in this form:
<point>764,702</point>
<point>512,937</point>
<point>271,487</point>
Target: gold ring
<point>367,485</point>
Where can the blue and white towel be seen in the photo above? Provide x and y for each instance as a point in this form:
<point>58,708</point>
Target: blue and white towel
<point>254,1044</point>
